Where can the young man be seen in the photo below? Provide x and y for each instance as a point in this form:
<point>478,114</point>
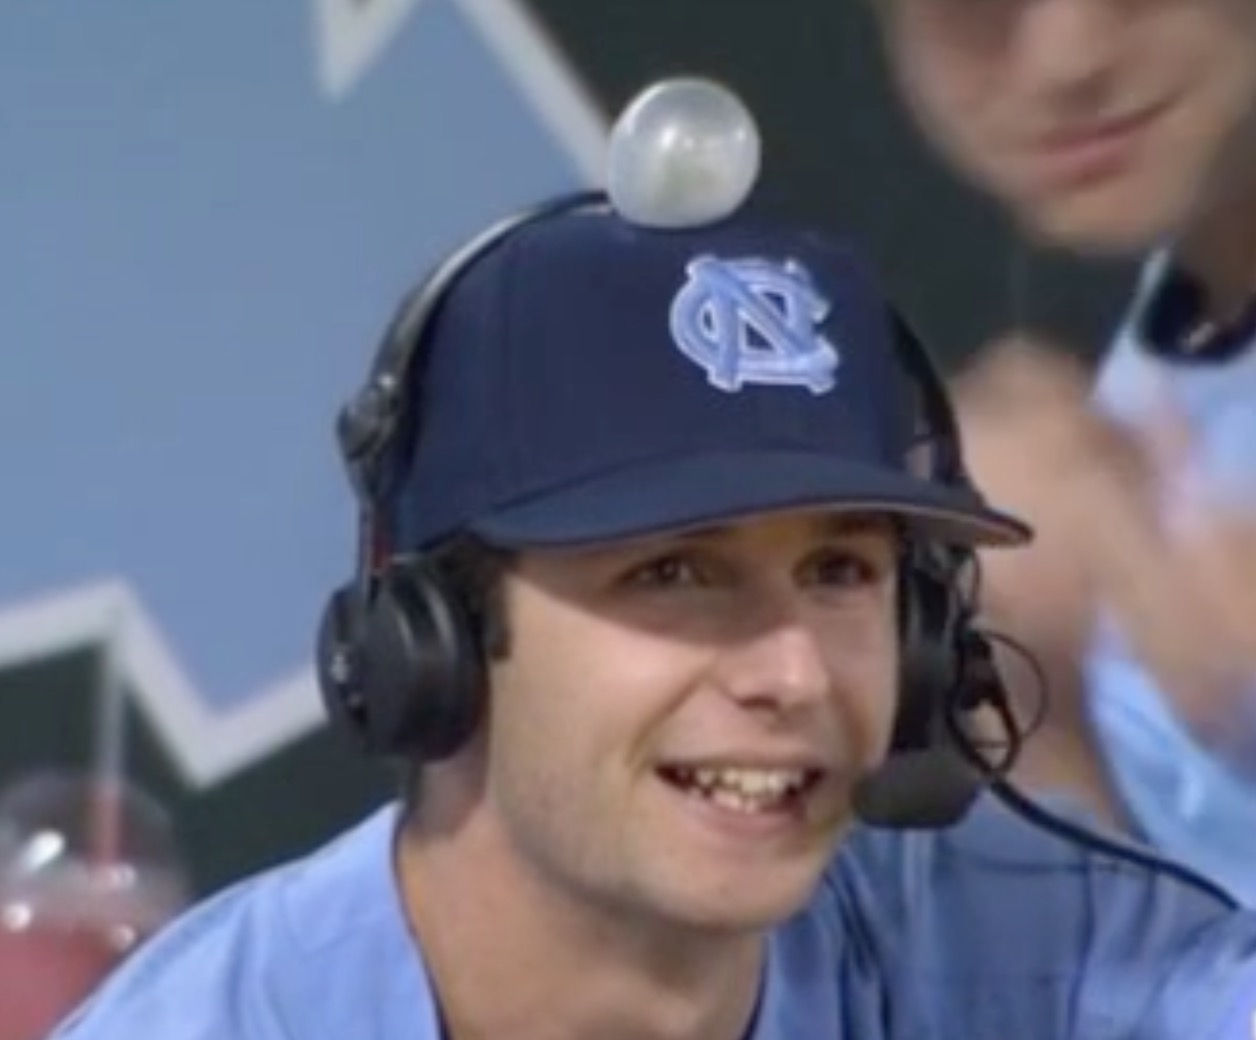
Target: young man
<point>1115,127</point>
<point>644,617</point>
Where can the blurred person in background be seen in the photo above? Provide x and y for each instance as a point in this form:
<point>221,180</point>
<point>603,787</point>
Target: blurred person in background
<point>1121,127</point>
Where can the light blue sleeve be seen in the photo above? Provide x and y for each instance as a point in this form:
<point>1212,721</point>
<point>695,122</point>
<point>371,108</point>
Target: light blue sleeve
<point>198,980</point>
<point>317,948</point>
<point>998,929</point>
<point>1209,989</point>
<point>1228,459</point>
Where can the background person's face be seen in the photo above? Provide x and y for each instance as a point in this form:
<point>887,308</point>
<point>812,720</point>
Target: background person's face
<point>1102,124</point>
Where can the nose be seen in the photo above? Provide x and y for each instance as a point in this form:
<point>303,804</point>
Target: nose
<point>777,667</point>
<point>1067,46</point>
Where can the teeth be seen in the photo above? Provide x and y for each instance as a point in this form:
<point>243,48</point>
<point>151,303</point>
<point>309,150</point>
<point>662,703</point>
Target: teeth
<point>745,790</point>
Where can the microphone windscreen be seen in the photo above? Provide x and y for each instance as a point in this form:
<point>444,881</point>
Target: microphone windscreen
<point>917,790</point>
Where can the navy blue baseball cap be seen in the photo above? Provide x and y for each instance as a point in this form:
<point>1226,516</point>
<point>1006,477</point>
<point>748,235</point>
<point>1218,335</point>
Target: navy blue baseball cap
<point>591,380</point>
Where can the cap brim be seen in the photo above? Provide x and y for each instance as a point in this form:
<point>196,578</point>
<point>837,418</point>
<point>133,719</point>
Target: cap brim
<point>661,496</point>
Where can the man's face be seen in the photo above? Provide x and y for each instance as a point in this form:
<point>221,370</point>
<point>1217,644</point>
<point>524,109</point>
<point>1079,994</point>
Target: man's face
<point>677,727</point>
<point>1104,125</point>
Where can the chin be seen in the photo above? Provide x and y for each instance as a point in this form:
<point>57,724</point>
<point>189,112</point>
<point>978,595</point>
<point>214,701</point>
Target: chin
<point>743,903</point>
<point>1107,224</point>
<point>742,917</point>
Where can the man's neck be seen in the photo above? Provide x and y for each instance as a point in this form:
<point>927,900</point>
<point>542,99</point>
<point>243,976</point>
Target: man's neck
<point>509,957</point>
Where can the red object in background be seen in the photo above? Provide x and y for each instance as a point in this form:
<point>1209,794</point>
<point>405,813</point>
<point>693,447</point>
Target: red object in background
<point>87,872</point>
<point>45,973</point>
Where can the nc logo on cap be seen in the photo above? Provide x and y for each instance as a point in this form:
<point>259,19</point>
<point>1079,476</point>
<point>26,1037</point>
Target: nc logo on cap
<point>754,321</point>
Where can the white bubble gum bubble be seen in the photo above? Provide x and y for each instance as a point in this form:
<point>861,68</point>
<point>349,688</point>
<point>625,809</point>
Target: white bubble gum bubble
<point>685,152</point>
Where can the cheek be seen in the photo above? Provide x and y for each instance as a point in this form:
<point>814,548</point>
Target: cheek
<point>539,786</point>
<point>1226,127</point>
<point>573,722</point>
<point>540,726</point>
<point>1215,36</point>
<point>865,665</point>
<point>566,734</point>
<point>884,710</point>
<point>949,80</point>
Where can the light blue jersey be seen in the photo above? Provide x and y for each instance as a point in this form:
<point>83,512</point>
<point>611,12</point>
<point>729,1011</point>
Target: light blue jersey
<point>1194,805</point>
<point>1217,398</point>
<point>991,931</point>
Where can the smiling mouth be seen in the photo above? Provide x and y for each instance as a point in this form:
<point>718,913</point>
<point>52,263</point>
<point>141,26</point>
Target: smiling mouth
<point>749,791</point>
<point>1103,128</point>
<point>1092,151</point>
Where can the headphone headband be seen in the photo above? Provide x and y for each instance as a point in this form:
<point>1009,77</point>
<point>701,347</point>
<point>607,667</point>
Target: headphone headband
<point>368,422</point>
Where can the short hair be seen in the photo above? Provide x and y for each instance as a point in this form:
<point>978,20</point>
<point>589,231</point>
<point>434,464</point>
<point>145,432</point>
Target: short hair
<point>472,571</point>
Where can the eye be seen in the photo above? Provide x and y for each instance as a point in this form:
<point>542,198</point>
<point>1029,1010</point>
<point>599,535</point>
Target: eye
<point>847,568</point>
<point>675,570</point>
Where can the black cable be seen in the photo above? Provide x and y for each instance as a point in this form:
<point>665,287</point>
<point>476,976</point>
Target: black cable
<point>1044,819</point>
<point>1048,821</point>
<point>1039,715</point>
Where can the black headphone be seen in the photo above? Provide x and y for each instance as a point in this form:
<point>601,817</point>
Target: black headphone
<point>400,661</point>
<point>935,771</point>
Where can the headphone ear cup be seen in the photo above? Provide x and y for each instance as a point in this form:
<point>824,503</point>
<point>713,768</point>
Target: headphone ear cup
<point>336,659</point>
<point>422,666</point>
<point>404,676</point>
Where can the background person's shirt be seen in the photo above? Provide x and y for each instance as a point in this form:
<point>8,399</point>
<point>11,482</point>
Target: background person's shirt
<point>1194,805</point>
